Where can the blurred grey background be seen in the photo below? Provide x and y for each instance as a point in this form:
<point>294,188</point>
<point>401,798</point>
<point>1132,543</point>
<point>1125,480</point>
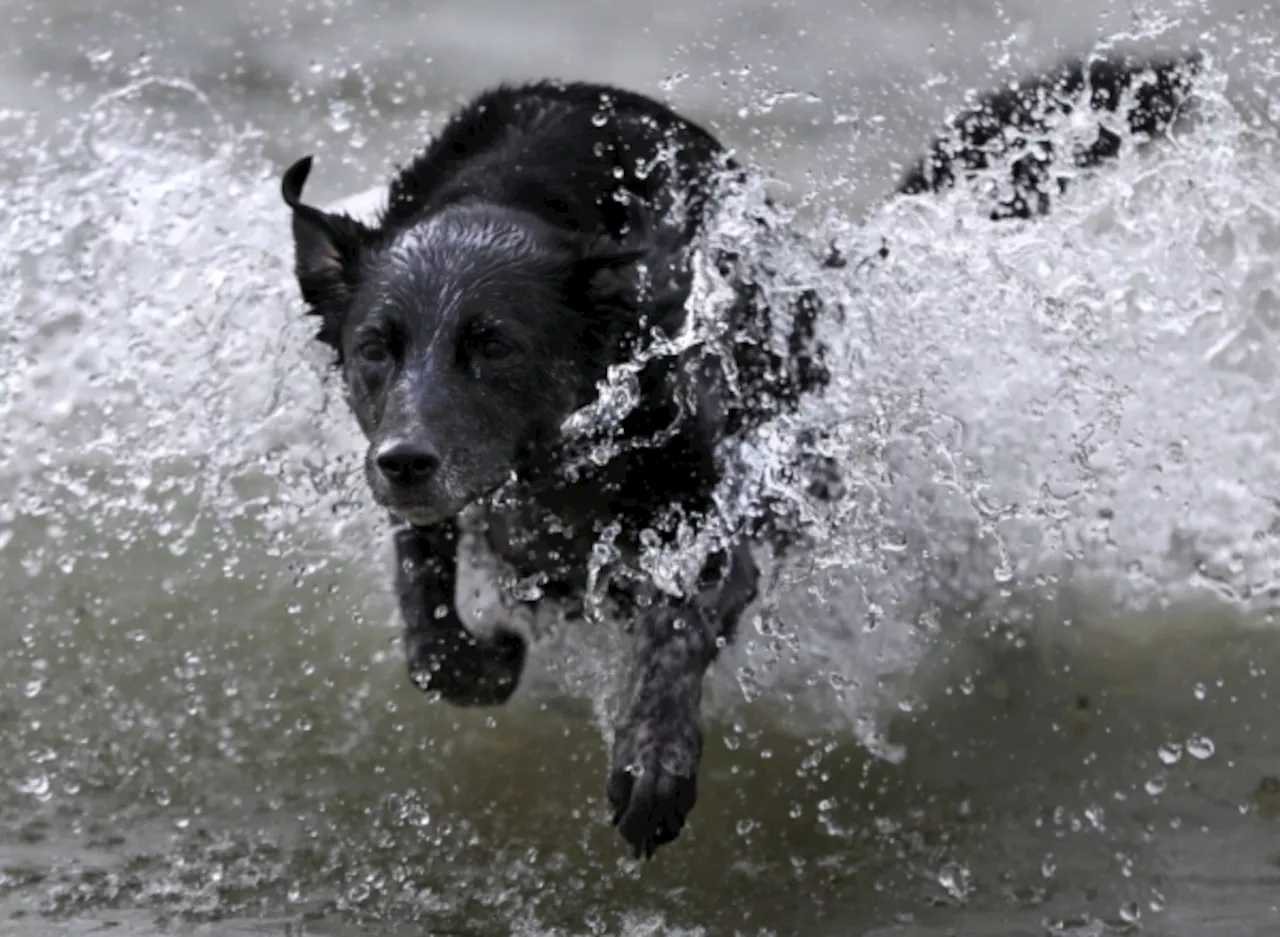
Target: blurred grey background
<point>845,90</point>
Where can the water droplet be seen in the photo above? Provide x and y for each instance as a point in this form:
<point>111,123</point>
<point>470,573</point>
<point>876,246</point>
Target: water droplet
<point>528,589</point>
<point>1130,913</point>
<point>669,83</point>
<point>599,119</point>
<point>359,893</point>
<point>338,120</point>
<point>1170,753</point>
<point>37,786</point>
<point>954,878</point>
<point>1156,785</point>
<point>745,826</point>
<point>1200,747</point>
<point>840,682</point>
<point>1200,691</point>
<point>33,688</point>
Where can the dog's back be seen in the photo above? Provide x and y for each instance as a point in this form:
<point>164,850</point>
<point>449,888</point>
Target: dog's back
<point>575,154</point>
<point>1014,122</point>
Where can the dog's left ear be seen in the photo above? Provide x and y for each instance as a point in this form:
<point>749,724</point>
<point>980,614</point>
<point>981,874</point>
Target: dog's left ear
<point>327,255</point>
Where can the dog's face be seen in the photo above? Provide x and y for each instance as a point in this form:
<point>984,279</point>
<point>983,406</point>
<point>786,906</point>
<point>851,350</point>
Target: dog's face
<point>465,340</point>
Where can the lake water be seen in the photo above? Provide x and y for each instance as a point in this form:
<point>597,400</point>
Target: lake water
<point>1027,687</point>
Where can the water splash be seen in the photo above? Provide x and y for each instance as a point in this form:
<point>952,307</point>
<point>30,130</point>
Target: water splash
<point>1075,411</point>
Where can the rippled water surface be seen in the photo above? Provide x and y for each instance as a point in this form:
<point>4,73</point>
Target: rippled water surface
<point>1023,684</point>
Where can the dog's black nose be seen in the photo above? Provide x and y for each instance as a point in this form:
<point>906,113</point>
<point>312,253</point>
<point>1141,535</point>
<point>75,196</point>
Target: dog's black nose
<point>406,463</point>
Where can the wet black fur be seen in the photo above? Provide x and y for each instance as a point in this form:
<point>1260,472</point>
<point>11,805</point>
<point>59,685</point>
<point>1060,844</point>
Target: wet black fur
<point>588,178</point>
<point>1145,93</point>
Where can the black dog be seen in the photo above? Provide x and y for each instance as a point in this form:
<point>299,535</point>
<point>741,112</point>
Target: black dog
<point>543,237</point>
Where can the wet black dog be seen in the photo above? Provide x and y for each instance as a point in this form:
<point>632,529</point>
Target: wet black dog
<point>544,236</point>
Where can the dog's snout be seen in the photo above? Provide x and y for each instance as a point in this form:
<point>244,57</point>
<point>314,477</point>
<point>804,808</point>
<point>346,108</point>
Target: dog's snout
<point>404,462</point>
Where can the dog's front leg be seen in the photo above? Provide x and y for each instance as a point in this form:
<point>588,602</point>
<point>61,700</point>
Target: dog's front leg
<point>654,778</point>
<point>443,655</point>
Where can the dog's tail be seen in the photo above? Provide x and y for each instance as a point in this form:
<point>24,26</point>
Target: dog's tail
<point>1149,93</point>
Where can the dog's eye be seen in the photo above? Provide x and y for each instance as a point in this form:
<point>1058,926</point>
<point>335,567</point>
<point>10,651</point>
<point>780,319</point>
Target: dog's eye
<point>494,348</point>
<point>483,341</point>
<point>373,352</point>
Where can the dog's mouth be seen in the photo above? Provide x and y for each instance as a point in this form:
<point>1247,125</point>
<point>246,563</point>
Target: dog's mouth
<point>431,501</point>
<point>421,516</point>
<point>421,509</point>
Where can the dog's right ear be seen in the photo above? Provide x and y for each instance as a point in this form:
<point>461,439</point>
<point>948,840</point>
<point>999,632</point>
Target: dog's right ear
<point>327,255</point>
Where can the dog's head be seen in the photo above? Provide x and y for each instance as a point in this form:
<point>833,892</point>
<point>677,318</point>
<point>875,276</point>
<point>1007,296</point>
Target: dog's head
<point>465,339</point>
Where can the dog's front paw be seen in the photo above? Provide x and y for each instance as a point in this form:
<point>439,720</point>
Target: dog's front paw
<point>653,785</point>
